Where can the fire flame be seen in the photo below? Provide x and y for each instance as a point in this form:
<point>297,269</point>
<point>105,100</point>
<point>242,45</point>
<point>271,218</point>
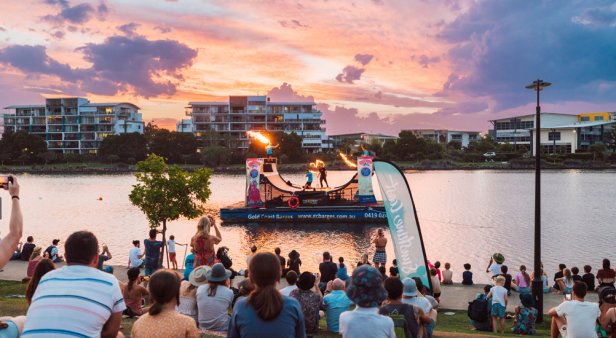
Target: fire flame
<point>259,137</point>
<point>347,161</point>
<point>317,163</point>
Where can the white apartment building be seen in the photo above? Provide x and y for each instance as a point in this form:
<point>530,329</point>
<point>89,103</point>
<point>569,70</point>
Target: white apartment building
<point>230,120</point>
<point>74,125</point>
<point>445,136</point>
<point>516,129</point>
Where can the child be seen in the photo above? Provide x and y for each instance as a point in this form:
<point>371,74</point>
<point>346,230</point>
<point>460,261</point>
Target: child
<point>308,184</point>
<point>188,264</point>
<point>467,276</point>
<point>171,246</point>
<point>342,270</point>
<point>436,284</point>
<point>508,278</point>
<point>393,270</point>
<point>498,294</point>
<point>589,278</point>
<point>447,275</point>
<point>437,267</point>
<point>575,271</point>
<point>383,272</point>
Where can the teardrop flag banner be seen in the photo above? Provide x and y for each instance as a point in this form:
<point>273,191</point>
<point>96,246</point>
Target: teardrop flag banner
<point>403,221</point>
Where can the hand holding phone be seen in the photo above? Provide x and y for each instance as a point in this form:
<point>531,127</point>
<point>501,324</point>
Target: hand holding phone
<point>568,297</point>
<point>4,182</point>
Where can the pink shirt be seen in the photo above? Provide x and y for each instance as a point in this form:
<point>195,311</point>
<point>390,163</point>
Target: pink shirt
<point>519,278</point>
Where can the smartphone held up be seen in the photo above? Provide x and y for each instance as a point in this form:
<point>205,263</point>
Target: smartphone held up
<point>4,182</point>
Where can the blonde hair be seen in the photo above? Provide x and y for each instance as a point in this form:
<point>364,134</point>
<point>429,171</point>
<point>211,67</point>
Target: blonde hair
<point>500,280</point>
<point>36,252</point>
<point>204,224</point>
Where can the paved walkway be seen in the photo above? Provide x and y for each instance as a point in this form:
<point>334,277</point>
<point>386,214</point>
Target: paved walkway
<point>455,297</point>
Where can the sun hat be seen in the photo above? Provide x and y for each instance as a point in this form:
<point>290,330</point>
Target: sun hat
<point>498,258</point>
<point>305,281</point>
<point>410,287</point>
<point>217,273</point>
<point>198,275</point>
<point>366,288</point>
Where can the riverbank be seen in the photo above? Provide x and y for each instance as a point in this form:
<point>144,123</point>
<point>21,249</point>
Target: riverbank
<point>454,297</point>
<point>426,165</point>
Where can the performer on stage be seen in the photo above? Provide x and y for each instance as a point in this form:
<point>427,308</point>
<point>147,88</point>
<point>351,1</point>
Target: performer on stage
<point>309,175</point>
<point>323,175</point>
<point>269,150</point>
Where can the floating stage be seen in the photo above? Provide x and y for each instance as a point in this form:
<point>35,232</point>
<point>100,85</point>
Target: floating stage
<point>271,198</point>
<point>238,213</point>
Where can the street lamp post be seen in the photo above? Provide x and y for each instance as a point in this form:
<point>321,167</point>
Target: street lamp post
<point>537,285</point>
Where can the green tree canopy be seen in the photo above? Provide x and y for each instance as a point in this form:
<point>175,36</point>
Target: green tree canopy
<point>165,193</point>
<point>21,147</point>
<point>124,146</point>
<point>172,145</point>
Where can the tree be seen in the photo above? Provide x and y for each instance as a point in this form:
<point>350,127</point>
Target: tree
<point>113,158</point>
<point>165,193</point>
<point>48,157</point>
<point>409,146</point>
<point>455,145</point>
<point>215,156</point>
<point>597,149</point>
<point>172,145</point>
<point>124,146</point>
<point>291,146</point>
<point>21,147</point>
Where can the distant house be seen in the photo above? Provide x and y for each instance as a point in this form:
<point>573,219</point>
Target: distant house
<point>445,136</point>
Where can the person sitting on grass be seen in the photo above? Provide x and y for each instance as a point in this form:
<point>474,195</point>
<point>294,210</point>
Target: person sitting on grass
<point>214,299</point>
<point>447,275</point>
<point>467,275</point>
<point>525,316</point>
<point>133,292</point>
<point>608,322</point>
<point>589,278</point>
<point>480,317</point>
<point>436,284</point>
<point>393,307</point>
<point>367,292</point>
<point>12,326</point>
<point>265,312</point>
<point>35,258</point>
<point>309,300</point>
<point>498,294</point>
<point>245,287</point>
<point>188,292</point>
<point>575,318</point>
<point>64,299</point>
<point>189,263</point>
<point>162,320</point>
<point>42,268</point>
<point>335,303</point>
<point>291,278</point>
<point>412,296</point>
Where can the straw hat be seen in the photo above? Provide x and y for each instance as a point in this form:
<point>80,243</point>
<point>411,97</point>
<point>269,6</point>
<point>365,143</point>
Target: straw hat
<point>198,275</point>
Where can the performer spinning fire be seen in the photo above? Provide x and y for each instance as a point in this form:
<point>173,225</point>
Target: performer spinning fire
<point>323,175</point>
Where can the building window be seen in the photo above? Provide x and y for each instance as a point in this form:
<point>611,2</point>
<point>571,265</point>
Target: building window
<point>585,118</point>
<point>598,118</point>
<point>554,136</point>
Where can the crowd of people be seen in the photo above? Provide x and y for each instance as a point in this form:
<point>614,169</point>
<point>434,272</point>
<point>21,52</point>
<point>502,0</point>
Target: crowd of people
<point>369,301</point>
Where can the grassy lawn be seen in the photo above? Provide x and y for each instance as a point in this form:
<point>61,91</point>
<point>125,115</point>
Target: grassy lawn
<point>447,323</point>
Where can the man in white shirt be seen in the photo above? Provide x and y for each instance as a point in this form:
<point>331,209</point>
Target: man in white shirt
<point>134,256</point>
<point>291,278</point>
<point>575,318</point>
<point>366,291</point>
<point>77,300</point>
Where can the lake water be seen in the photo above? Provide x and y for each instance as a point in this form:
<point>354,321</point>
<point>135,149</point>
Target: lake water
<point>465,217</point>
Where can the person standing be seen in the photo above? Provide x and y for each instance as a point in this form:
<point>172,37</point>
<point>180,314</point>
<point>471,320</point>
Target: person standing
<point>9,242</point>
<point>380,256</point>
<point>269,150</point>
<point>323,175</point>
<point>203,243</point>
<point>152,253</point>
<point>309,178</point>
<point>76,300</point>
<point>171,246</point>
<point>498,294</point>
<point>575,318</point>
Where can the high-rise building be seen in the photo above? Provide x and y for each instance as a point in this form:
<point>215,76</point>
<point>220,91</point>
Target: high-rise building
<point>229,121</point>
<point>74,125</point>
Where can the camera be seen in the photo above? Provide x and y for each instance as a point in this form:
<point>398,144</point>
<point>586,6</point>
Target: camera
<point>4,181</point>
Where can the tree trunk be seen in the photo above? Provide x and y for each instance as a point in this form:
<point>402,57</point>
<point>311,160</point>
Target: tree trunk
<point>164,244</point>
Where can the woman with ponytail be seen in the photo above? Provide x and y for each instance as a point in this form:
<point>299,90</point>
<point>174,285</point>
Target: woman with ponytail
<point>162,320</point>
<point>266,312</point>
<point>521,282</point>
<point>132,292</point>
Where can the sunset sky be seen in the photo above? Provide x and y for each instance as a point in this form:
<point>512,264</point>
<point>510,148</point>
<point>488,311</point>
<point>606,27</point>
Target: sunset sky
<point>371,65</point>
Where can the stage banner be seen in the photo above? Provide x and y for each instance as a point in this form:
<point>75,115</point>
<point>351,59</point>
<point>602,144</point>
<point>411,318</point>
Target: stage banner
<point>254,169</point>
<point>365,192</point>
<point>403,222</point>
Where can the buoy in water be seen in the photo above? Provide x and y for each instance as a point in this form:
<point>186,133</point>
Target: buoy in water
<point>100,198</point>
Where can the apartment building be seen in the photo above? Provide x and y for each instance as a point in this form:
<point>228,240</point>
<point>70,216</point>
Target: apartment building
<point>230,120</point>
<point>445,136</point>
<point>74,125</point>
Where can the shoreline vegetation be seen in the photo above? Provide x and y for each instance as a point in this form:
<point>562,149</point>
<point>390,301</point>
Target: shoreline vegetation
<point>425,165</point>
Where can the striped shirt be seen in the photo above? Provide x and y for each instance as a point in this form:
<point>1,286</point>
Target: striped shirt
<point>74,301</point>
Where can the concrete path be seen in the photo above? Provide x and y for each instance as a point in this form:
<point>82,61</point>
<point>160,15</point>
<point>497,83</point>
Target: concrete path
<point>455,297</point>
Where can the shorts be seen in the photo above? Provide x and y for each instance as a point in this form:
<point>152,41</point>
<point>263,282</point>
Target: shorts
<point>497,310</point>
<point>380,257</point>
<point>308,184</point>
<point>12,331</point>
<point>429,328</point>
<point>172,257</point>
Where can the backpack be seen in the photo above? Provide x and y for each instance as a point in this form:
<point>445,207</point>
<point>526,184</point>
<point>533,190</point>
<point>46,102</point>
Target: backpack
<point>48,251</point>
<point>478,310</point>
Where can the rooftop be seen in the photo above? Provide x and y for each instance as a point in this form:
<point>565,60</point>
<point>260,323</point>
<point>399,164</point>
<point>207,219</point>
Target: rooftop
<point>527,115</point>
<point>579,125</point>
<point>24,106</point>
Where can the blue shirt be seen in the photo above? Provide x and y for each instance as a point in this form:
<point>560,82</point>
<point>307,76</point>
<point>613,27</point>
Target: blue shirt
<point>342,273</point>
<point>188,265</point>
<point>309,175</point>
<point>335,304</point>
<point>246,323</point>
<point>269,150</point>
<point>152,253</point>
<point>467,278</point>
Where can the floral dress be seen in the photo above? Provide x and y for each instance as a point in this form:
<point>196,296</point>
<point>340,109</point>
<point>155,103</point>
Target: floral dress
<point>204,251</point>
<point>525,321</point>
